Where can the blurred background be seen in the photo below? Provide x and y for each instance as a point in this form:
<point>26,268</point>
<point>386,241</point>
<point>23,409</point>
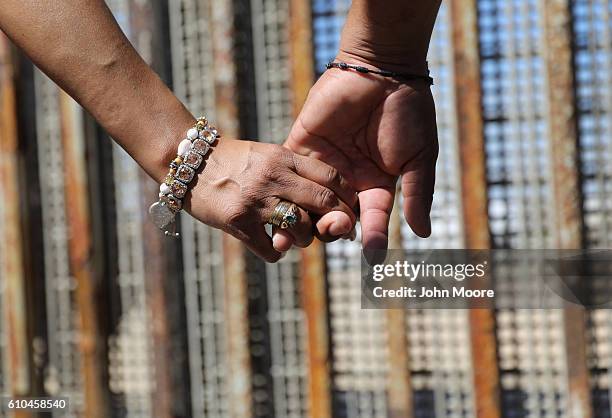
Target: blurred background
<point>99,307</point>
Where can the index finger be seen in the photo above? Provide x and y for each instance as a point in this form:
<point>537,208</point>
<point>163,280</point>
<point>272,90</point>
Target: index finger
<point>325,175</point>
<point>376,206</point>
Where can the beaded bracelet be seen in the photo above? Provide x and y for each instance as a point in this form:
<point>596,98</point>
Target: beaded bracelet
<point>385,73</point>
<point>190,156</point>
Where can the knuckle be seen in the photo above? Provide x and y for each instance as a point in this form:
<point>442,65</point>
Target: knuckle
<point>271,174</point>
<point>276,153</point>
<point>253,190</point>
<point>333,176</point>
<point>326,198</point>
<point>236,216</point>
<point>275,163</point>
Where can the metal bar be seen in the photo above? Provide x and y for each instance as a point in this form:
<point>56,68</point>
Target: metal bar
<point>239,381</point>
<point>237,330</point>
<point>16,360</point>
<point>314,299</point>
<point>202,246</point>
<point>399,387</point>
<point>159,252</point>
<point>313,268</point>
<point>562,125</point>
<point>468,96</point>
<point>92,345</point>
<point>155,271</point>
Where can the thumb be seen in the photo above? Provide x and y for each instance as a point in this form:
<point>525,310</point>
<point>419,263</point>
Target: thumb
<point>418,182</point>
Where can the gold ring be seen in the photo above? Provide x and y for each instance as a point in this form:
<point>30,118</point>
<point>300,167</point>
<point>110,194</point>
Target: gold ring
<point>285,215</point>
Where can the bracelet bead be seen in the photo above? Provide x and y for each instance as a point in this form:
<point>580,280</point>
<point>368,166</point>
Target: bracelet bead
<point>192,134</point>
<point>184,146</point>
<point>164,189</point>
<point>190,157</point>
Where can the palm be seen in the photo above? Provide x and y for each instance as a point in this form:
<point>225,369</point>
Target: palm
<point>373,131</point>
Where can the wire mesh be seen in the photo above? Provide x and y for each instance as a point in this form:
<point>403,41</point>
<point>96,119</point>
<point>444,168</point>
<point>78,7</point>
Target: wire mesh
<point>328,19</point>
<point>441,378</point>
<point>592,24</point>
<point>360,355</point>
<point>520,202</point>
<point>593,62</point>
<point>271,45</point>
<point>130,358</point>
<point>286,320</point>
<point>531,354</point>
<point>131,369</point>
<point>192,57</point>
<point>359,351</point>
<point>440,373</point>
<point>288,339</point>
<point>513,83</point>
<point>63,372</point>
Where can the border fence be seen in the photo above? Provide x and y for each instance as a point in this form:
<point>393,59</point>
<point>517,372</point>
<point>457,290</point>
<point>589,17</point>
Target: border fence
<point>98,307</point>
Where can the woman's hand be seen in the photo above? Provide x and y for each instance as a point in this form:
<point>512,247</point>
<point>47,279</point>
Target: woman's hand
<point>242,182</point>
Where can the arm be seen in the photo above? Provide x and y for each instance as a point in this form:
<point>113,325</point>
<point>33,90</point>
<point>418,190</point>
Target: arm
<point>81,47</point>
<point>394,36</point>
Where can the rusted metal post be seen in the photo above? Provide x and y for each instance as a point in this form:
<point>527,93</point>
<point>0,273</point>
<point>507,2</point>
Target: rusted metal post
<point>399,387</point>
<point>313,266</point>
<point>468,96</point>
<point>161,253</point>
<point>91,344</point>
<point>17,358</point>
<point>236,284</point>
<point>562,123</point>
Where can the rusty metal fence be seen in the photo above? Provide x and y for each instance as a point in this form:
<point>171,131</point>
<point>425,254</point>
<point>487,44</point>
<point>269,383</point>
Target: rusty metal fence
<point>97,307</point>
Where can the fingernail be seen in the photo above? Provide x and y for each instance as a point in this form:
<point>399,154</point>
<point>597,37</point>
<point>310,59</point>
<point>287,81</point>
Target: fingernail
<point>338,229</point>
<point>275,240</point>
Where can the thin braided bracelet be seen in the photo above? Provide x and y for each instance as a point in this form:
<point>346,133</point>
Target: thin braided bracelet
<point>190,156</point>
<point>390,74</point>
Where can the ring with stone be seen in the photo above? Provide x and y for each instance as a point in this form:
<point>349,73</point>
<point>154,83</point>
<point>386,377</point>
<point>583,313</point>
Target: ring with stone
<point>285,215</point>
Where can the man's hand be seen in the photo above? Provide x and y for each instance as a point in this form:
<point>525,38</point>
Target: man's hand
<point>373,130</point>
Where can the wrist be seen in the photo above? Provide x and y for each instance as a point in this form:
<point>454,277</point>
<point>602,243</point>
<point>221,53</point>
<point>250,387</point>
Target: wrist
<point>395,39</point>
<point>383,62</point>
<point>149,124</point>
<point>162,138</point>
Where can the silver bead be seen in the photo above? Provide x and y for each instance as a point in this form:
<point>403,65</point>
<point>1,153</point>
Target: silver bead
<point>192,133</point>
<point>164,189</point>
<point>184,147</point>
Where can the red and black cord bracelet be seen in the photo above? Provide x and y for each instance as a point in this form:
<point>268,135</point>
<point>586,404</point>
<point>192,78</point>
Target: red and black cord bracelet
<point>390,74</point>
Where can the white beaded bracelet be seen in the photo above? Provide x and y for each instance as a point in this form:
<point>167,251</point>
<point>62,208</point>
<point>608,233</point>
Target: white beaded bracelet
<point>190,156</point>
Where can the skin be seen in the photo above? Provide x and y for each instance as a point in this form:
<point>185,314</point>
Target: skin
<point>372,129</point>
<point>81,47</point>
